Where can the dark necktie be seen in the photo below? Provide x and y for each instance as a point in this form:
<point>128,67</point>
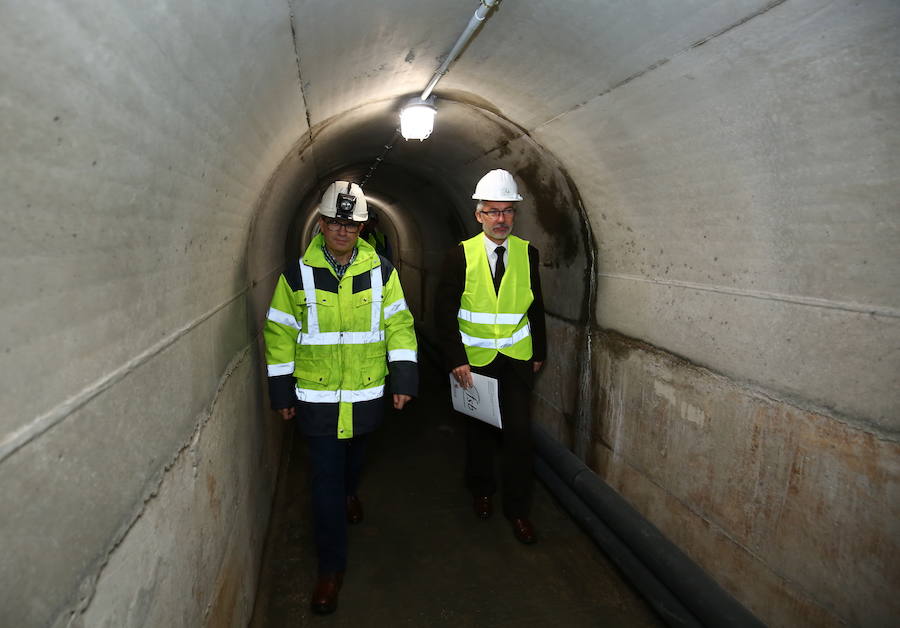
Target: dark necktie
<point>499,269</point>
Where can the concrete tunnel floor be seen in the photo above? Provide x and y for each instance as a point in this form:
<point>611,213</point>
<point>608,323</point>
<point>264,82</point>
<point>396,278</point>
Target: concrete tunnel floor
<point>421,557</point>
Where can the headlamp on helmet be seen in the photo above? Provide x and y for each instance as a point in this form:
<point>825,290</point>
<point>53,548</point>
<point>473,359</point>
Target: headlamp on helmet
<point>345,204</point>
<point>344,200</point>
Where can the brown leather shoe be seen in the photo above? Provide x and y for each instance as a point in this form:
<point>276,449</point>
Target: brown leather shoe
<point>524,531</point>
<point>354,509</point>
<point>482,506</point>
<point>324,597</point>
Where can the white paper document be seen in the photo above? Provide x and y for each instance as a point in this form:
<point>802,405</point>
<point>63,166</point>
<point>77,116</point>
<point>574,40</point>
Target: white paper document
<point>481,401</point>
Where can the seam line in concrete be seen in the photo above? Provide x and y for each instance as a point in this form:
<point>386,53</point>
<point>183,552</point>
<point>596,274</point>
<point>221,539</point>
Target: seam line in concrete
<point>771,5</point>
<point>25,434</point>
<point>293,20</point>
<point>662,62</point>
<point>621,83</point>
<point>873,310</point>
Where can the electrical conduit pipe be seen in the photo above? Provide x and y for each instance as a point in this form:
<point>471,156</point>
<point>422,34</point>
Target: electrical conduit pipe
<point>474,22</point>
<point>678,589</point>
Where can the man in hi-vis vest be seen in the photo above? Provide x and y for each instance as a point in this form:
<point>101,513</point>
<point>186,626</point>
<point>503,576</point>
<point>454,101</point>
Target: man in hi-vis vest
<point>490,316</point>
<point>337,324</point>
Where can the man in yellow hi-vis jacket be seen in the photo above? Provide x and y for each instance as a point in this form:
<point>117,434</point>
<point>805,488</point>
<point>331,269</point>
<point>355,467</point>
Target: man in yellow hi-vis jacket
<point>489,313</point>
<point>337,324</point>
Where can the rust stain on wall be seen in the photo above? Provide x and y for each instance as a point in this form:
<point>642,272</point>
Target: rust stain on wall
<point>215,501</point>
<point>222,612</point>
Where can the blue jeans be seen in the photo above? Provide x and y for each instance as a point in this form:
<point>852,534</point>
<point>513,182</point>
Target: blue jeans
<point>336,466</point>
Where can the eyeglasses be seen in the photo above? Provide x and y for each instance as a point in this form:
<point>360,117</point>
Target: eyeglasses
<point>333,224</point>
<point>494,214</point>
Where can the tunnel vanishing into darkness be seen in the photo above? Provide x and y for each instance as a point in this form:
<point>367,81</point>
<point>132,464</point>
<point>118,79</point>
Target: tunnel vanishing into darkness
<point>713,187</point>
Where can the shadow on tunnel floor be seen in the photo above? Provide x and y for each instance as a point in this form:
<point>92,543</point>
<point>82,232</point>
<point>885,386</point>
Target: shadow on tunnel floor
<point>422,558</point>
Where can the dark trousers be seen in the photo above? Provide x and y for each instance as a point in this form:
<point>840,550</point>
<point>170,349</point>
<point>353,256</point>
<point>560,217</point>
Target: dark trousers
<point>514,440</point>
<point>336,466</point>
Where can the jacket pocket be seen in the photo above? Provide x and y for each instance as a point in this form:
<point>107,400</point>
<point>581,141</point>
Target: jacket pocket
<point>315,371</point>
<point>373,371</point>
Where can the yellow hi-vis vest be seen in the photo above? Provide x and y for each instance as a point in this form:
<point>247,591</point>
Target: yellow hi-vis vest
<point>489,322</point>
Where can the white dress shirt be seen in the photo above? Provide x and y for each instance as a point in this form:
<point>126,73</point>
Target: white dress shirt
<point>491,247</point>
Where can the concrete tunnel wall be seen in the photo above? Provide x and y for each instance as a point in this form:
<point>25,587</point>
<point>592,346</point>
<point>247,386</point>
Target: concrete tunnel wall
<point>728,171</point>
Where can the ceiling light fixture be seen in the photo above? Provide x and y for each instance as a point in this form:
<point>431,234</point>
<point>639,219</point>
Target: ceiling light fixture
<point>417,118</point>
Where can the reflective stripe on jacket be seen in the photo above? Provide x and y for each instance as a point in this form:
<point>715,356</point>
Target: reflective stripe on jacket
<point>489,322</point>
<point>337,337</point>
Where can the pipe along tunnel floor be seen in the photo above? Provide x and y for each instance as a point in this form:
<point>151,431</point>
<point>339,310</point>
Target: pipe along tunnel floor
<point>421,557</point>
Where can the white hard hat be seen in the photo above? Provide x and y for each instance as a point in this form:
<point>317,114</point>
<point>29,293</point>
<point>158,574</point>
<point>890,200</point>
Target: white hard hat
<point>344,200</point>
<point>497,185</point>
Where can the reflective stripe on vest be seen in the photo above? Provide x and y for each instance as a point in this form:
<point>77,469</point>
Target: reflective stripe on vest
<point>487,318</point>
<point>496,343</point>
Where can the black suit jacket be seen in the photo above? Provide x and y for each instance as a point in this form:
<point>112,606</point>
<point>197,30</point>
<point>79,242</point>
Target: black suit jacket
<point>449,292</point>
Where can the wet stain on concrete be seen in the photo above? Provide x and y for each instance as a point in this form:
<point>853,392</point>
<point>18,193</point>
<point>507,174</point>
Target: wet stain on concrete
<point>553,209</point>
<point>478,102</point>
<point>468,98</point>
<point>559,209</point>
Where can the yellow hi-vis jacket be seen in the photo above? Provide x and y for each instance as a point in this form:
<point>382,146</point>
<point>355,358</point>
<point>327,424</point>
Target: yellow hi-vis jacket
<point>491,322</point>
<point>337,338</point>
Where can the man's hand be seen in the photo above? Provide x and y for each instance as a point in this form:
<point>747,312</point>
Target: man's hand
<point>400,400</point>
<point>287,413</point>
<point>537,366</point>
<point>463,375</point>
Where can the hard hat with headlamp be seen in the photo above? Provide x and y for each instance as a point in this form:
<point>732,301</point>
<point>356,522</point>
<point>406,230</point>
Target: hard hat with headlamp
<point>497,185</point>
<point>344,200</point>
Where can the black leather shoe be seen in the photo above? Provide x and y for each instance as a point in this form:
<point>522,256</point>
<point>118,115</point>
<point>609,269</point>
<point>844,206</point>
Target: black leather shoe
<point>524,531</point>
<point>324,597</point>
<point>354,509</point>
<point>482,506</point>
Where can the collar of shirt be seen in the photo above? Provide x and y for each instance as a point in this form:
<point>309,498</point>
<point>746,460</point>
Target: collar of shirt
<point>491,247</point>
<point>339,269</point>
